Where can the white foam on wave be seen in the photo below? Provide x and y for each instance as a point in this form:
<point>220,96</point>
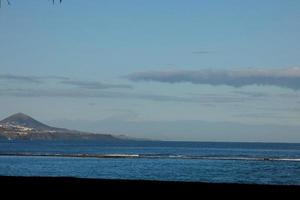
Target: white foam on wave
<point>121,155</point>
<point>156,156</point>
<point>288,159</point>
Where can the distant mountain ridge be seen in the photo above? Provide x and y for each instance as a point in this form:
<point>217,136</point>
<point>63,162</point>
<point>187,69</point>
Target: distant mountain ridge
<point>20,126</point>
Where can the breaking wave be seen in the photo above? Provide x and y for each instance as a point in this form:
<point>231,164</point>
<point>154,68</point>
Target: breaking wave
<point>158,156</point>
<point>154,156</point>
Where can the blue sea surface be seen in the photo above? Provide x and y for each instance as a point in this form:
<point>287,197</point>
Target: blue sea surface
<point>255,163</point>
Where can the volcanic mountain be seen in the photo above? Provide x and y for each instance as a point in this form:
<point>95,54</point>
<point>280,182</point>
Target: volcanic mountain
<point>21,119</point>
<point>23,127</point>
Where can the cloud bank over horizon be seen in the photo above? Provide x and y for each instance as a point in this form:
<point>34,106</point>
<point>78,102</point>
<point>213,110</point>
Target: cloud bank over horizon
<point>283,77</point>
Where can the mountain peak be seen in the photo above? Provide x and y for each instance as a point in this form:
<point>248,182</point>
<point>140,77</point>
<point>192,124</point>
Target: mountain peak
<point>19,115</point>
<point>22,119</point>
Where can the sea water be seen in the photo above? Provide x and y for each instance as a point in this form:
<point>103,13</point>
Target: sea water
<point>255,163</point>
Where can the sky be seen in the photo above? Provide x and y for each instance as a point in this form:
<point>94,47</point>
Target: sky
<point>193,70</point>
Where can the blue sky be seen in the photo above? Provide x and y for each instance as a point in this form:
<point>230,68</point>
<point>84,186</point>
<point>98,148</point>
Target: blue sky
<point>177,70</point>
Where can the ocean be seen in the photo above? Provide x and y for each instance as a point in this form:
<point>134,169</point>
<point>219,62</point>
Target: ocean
<point>213,162</point>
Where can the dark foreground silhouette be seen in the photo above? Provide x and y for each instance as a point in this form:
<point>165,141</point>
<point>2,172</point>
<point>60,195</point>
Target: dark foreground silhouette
<point>76,186</point>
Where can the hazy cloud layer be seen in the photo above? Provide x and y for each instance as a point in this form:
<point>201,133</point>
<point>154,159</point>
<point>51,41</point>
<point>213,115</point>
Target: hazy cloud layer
<point>252,94</point>
<point>29,79</point>
<point>76,93</point>
<point>62,80</point>
<point>94,84</point>
<point>285,77</point>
